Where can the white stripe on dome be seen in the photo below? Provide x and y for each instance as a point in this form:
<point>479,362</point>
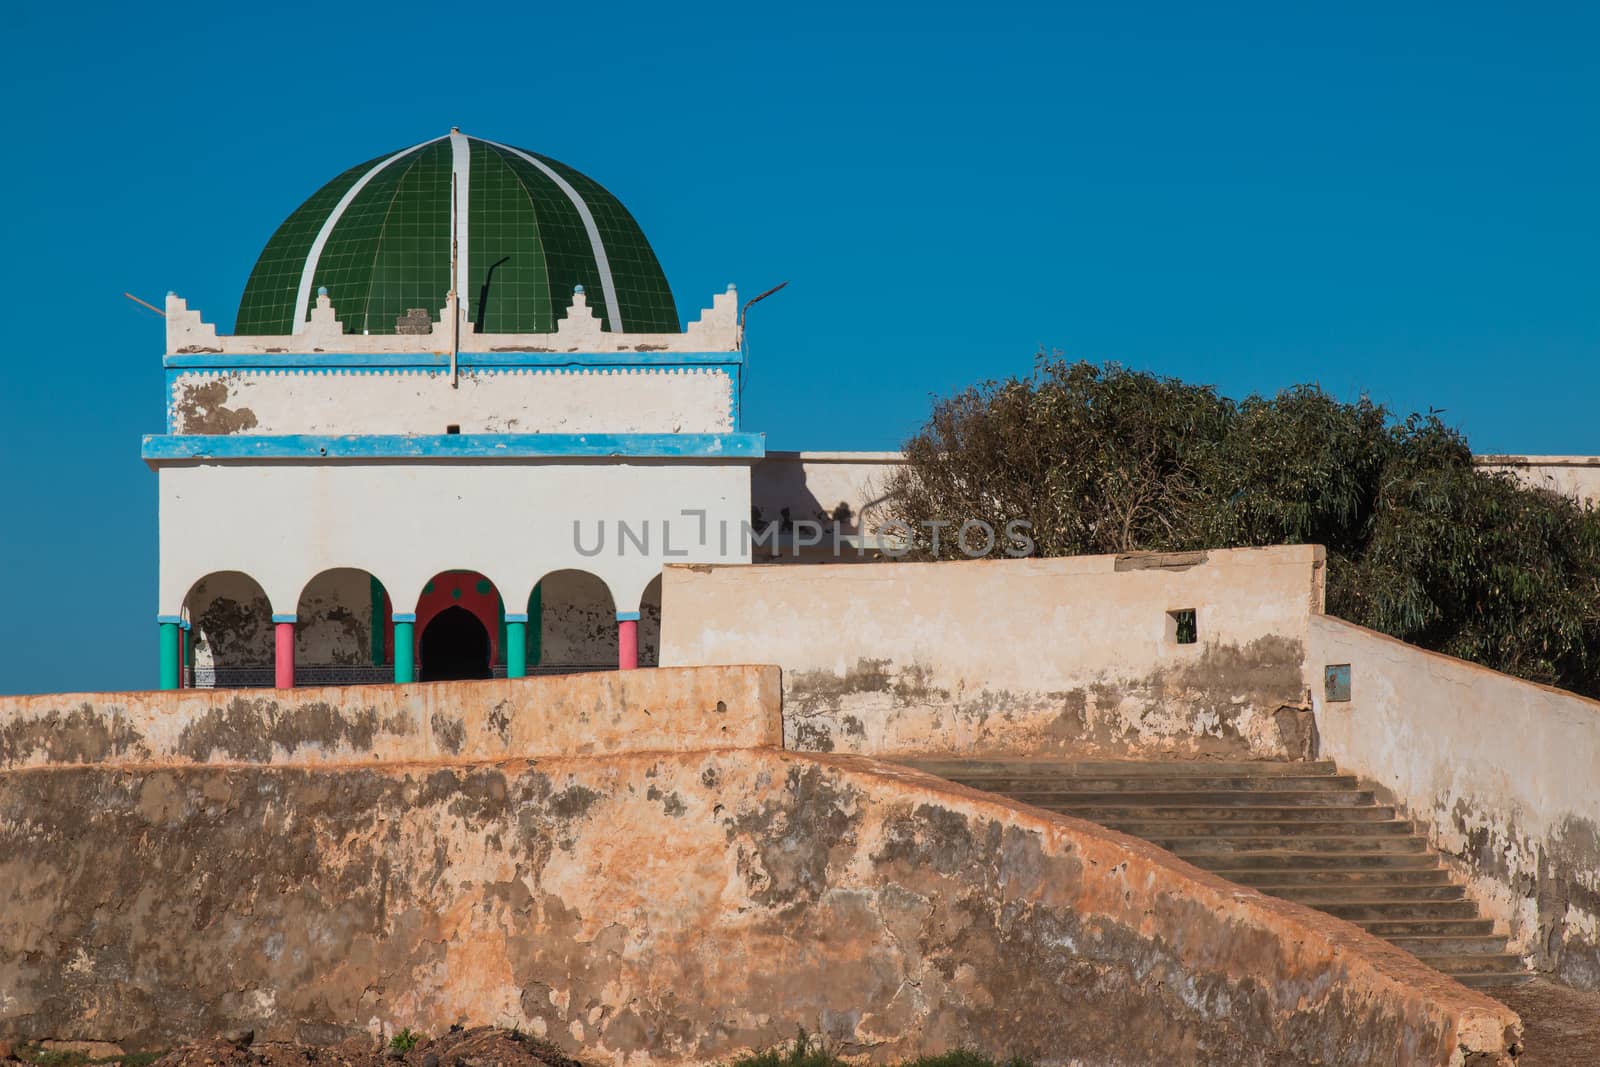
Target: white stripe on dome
<point>608,288</point>
<point>461,167</point>
<point>302,298</point>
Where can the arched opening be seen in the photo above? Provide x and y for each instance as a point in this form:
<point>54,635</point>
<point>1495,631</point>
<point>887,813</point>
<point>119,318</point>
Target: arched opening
<point>229,644</point>
<point>650,624</point>
<point>473,594</point>
<point>576,623</point>
<point>344,629</point>
<point>455,645</point>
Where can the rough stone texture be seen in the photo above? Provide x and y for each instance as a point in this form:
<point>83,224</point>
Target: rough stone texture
<point>891,912</point>
<point>667,710</point>
<point>1072,656</point>
<point>1502,774</point>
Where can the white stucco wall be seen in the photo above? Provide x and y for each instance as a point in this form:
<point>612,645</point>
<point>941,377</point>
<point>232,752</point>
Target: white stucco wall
<point>512,521</point>
<point>552,400</point>
<point>1503,775</point>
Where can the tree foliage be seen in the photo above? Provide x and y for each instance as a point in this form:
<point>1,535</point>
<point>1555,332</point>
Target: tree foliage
<point>1422,544</point>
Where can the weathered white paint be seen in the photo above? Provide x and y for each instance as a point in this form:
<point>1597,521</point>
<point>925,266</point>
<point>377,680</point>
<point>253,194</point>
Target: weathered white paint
<point>717,330</point>
<point>1577,477</point>
<point>1017,655</point>
<point>512,521</point>
<point>1503,774</point>
<point>565,400</point>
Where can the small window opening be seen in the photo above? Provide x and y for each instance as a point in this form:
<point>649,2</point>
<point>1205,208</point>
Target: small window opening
<point>454,427</point>
<point>1181,628</point>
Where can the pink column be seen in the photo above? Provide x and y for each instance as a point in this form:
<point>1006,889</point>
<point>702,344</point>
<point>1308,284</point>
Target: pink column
<point>628,640</point>
<point>284,625</point>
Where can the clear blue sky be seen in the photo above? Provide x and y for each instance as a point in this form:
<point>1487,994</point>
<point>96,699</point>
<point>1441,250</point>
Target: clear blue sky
<point>1397,199</point>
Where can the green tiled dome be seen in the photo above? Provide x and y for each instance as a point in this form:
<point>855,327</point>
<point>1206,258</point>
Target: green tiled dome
<point>528,230</point>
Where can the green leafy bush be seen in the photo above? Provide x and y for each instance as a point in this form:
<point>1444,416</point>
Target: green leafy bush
<point>1422,544</point>
<point>807,1050</point>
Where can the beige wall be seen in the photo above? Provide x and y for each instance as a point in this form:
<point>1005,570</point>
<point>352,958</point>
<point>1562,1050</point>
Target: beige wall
<point>659,710</point>
<point>1574,476</point>
<point>1502,774</point>
<point>1025,656</point>
<point>672,908</point>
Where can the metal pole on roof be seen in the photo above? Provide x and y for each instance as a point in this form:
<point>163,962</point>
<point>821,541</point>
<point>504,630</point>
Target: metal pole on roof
<point>455,297</point>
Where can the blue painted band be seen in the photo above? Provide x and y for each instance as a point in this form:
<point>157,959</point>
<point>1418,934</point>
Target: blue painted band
<point>441,360</point>
<point>405,616</point>
<point>627,616</point>
<point>282,618</point>
<point>159,447</point>
<point>170,620</point>
<point>512,616</point>
<point>185,624</point>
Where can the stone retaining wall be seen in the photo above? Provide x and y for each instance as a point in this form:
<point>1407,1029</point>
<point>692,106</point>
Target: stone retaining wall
<point>665,710</point>
<point>671,908</point>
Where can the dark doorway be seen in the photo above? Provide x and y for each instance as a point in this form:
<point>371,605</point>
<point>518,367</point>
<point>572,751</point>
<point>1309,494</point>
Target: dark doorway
<point>455,645</point>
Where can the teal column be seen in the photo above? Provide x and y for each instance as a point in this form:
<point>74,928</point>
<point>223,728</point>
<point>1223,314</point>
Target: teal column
<point>169,650</point>
<point>403,672</point>
<point>516,645</point>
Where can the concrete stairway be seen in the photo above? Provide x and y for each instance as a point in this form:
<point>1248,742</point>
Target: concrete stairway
<point>1300,831</point>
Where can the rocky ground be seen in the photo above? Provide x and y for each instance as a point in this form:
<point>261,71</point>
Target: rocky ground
<point>480,1047</point>
<point>1560,1025</point>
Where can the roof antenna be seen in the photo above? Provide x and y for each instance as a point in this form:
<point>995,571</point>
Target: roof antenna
<point>145,303</point>
<point>744,347</point>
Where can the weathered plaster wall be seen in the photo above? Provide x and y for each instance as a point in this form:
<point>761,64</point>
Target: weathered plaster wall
<point>512,521</point>
<point>1577,477</point>
<point>231,621</point>
<point>1504,776</point>
<point>1073,655</point>
<point>672,908</point>
<point>551,400</point>
<point>333,620</point>
<point>666,710</point>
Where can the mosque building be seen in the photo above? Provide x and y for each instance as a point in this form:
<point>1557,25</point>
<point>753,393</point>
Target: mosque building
<point>457,432</point>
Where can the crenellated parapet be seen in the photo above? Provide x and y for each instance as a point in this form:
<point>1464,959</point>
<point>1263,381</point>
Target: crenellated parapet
<point>580,330</point>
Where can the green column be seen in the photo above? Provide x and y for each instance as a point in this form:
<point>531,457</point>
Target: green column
<point>516,647</point>
<point>169,654</point>
<point>402,649</point>
<point>535,626</point>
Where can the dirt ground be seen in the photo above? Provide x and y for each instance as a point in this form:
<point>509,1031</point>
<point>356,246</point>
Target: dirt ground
<point>1560,1026</point>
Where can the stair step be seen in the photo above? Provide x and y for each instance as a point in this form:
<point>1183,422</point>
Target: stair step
<point>1179,829</point>
<point>1213,813</point>
<point>1065,799</point>
<point>1146,783</point>
<point>1237,849</point>
<point>1493,981</point>
<point>975,768</point>
<point>1396,909</point>
<point>1284,861</point>
<point>1392,928</point>
<point>1476,963</point>
<point>1445,945</point>
<point>1320,896</point>
<point>1338,876</point>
